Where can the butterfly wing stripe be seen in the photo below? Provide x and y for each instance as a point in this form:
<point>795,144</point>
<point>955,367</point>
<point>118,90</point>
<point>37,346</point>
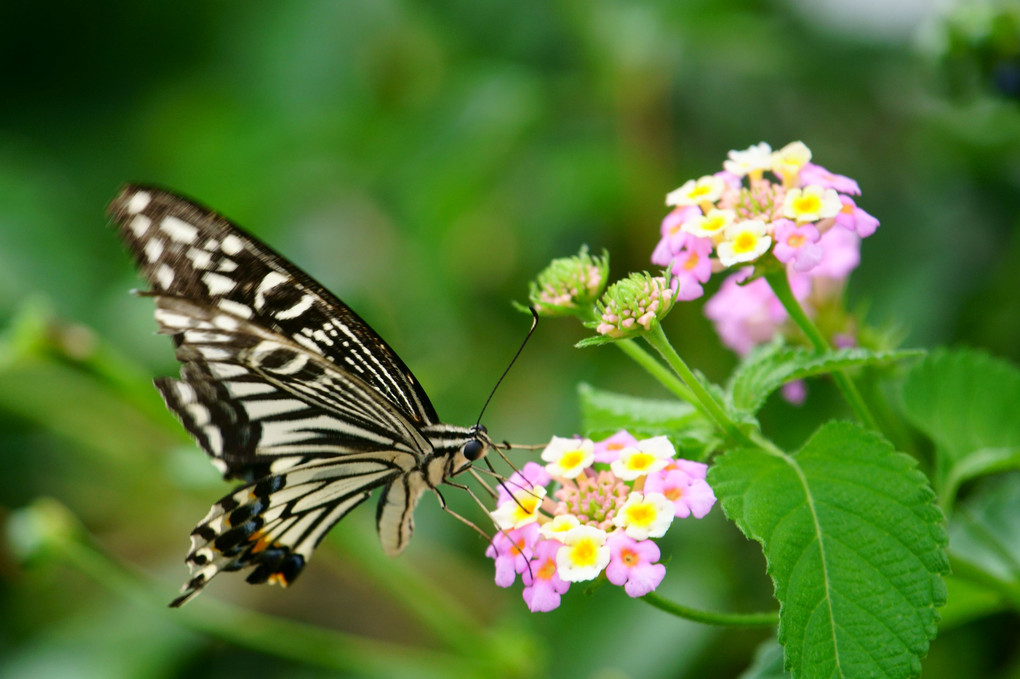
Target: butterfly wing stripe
<point>253,411</point>
<point>277,497</point>
<point>333,390</point>
<point>278,520</point>
<point>286,366</point>
<point>286,388</point>
<point>188,251</point>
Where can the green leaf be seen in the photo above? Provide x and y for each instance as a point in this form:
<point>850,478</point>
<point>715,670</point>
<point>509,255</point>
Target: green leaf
<point>605,412</point>
<point>985,533</point>
<point>768,367</point>
<point>968,403</point>
<point>768,662</point>
<point>854,546</point>
<point>594,341</point>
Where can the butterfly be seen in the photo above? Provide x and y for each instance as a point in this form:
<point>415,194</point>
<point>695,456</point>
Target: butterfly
<point>286,389</point>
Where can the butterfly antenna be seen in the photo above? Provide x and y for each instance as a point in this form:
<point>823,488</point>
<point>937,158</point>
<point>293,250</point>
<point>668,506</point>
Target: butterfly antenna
<point>534,324</point>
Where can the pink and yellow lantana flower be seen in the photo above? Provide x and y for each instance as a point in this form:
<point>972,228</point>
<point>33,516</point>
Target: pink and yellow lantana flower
<point>608,500</point>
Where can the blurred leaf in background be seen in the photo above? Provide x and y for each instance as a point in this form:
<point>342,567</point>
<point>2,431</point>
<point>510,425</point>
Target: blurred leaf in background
<point>424,161</point>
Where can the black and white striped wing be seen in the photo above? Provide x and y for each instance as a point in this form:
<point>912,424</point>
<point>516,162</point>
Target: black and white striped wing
<point>188,251</point>
<point>258,404</point>
<point>281,384</point>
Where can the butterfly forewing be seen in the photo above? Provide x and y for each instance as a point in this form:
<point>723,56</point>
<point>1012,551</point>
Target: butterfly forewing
<point>249,397</point>
<point>185,250</point>
<point>285,388</point>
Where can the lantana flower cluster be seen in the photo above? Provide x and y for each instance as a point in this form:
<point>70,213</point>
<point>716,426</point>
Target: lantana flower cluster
<point>762,203</point>
<point>608,501</point>
<point>766,207</point>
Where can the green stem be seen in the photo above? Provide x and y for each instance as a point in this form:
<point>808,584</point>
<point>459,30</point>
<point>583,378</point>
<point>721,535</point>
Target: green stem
<point>965,570</point>
<point>657,339</point>
<point>764,619</point>
<point>780,284</point>
<point>660,372</point>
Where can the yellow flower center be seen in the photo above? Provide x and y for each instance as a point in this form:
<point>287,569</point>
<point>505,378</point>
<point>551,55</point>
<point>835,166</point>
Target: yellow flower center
<point>641,515</point>
<point>526,506</point>
<point>714,223</point>
<point>807,204</point>
<point>571,459</point>
<point>583,553</point>
<point>691,262</point>
<point>674,494</point>
<point>744,242</point>
<point>796,240</point>
<point>629,557</point>
<point>639,461</point>
<point>546,570</point>
<point>699,191</point>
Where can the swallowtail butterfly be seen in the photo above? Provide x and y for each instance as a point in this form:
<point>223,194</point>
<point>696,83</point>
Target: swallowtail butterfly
<point>286,389</point>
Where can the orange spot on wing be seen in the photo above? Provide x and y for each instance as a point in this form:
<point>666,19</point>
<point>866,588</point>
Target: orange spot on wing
<point>261,542</point>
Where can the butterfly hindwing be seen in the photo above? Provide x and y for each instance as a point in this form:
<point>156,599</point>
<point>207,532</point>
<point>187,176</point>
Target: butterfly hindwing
<point>274,524</point>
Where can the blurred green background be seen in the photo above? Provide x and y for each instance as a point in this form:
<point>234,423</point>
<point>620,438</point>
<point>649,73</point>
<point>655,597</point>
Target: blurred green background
<point>424,161</point>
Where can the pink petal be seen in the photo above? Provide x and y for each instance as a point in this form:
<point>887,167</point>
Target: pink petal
<point>644,579</point>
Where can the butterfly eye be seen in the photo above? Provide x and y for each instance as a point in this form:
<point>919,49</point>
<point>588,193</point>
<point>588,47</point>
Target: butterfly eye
<point>474,449</point>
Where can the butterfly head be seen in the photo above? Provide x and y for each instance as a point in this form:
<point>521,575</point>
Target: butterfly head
<point>474,448</point>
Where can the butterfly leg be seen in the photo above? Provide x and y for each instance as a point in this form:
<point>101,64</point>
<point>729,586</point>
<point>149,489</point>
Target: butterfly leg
<point>488,489</point>
<point>466,521</point>
<point>482,505</point>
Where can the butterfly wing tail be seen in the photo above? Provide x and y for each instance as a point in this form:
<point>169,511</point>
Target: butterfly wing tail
<point>274,524</point>
<point>394,517</point>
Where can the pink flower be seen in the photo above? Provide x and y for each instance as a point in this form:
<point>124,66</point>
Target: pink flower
<point>531,476</point>
<point>842,254</point>
<point>673,236</point>
<point>692,266</point>
<point>797,245</point>
<point>690,496</point>
<point>542,586</point>
<point>745,316</point>
<point>512,550</point>
<point>795,392</point>
<point>695,470</point>
<point>819,176</point>
<point>608,451</point>
<point>632,564</point>
<point>732,181</point>
<point>855,219</point>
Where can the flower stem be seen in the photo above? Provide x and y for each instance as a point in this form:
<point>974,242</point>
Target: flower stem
<point>657,338</point>
<point>780,284</point>
<point>657,370</point>
<point>965,570</point>
<point>763,619</point>
<point>660,373</point>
